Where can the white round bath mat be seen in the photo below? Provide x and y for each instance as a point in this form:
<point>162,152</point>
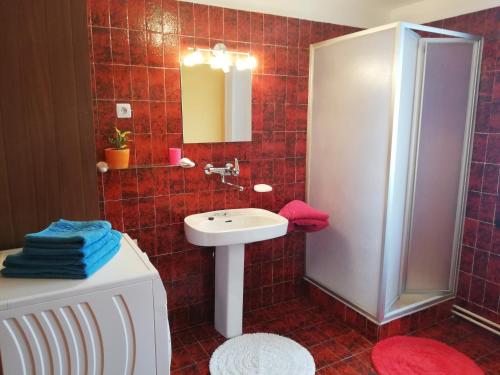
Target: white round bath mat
<point>261,354</point>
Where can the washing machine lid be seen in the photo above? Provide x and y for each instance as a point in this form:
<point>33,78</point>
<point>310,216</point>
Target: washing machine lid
<point>129,265</point>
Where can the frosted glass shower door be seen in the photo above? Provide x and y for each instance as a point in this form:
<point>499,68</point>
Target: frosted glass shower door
<point>446,74</point>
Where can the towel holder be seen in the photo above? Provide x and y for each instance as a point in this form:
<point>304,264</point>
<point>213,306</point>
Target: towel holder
<point>103,167</point>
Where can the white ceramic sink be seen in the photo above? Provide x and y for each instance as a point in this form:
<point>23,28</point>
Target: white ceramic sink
<point>229,231</point>
<point>231,227</point>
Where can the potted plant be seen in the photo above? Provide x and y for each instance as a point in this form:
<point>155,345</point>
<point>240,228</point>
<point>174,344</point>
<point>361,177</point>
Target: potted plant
<point>118,156</point>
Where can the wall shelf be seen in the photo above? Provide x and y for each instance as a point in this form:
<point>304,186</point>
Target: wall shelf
<point>103,168</point>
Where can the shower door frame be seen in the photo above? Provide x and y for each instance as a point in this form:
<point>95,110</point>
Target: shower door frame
<point>414,157</point>
<point>385,315</point>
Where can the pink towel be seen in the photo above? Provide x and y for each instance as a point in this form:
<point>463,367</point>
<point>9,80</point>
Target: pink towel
<point>301,216</point>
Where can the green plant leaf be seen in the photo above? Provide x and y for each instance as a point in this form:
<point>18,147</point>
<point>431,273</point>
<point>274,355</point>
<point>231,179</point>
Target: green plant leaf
<point>120,139</point>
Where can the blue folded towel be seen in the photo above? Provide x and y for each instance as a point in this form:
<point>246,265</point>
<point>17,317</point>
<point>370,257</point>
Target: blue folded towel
<point>22,259</point>
<point>68,234</point>
<point>69,253</point>
<point>63,272</point>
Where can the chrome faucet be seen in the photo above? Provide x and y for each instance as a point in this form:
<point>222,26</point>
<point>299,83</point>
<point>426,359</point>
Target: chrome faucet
<point>228,170</point>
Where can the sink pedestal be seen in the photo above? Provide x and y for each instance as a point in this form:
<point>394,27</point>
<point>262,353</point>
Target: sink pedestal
<point>229,231</point>
<point>229,270</point>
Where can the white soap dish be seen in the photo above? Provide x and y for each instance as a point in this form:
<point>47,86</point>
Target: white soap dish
<point>102,166</point>
<point>186,163</point>
<point>262,188</point>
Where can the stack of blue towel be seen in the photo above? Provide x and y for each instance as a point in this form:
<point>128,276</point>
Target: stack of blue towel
<point>64,250</point>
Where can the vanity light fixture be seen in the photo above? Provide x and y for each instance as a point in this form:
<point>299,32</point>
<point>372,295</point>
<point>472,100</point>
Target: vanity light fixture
<point>220,58</point>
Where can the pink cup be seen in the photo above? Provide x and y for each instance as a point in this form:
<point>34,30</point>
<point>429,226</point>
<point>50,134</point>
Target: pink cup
<point>174,155</point>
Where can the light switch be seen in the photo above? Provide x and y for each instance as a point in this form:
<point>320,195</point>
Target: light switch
<point>123,110</point>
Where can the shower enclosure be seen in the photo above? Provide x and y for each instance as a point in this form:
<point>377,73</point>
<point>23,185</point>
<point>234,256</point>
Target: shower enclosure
<point>391,118</point>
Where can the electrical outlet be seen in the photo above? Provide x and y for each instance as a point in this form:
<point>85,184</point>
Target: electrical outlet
<point>123,110</point>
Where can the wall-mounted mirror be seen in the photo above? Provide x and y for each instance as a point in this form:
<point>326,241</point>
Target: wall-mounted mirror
<point>216,106</point>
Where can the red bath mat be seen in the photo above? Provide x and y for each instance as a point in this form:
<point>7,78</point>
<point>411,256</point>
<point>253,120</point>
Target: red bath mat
<point>406,355</point>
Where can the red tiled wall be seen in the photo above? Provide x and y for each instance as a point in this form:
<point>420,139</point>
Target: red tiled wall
<point>479,279</point>
<point>136,46</point>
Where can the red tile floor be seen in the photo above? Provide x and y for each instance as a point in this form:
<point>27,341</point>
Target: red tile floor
<point>336,348</point>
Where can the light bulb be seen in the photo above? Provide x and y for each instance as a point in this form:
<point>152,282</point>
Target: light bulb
<point>188,60</point>
<point>220,60</point>
<point>241,64</point>
<point>193,58</point>
<point>215,62</point>
<point>251,62</point>
<point>226,60</point>
<point>197,57</point>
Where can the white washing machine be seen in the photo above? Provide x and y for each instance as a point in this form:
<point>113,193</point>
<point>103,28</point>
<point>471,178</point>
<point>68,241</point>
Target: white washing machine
<point>114,322</point>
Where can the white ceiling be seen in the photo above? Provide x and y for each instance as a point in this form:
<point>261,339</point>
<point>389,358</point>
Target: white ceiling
<point>360,13</point>
<point>432,10</point>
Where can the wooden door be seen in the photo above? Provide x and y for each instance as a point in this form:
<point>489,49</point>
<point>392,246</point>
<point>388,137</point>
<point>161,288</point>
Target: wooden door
<point>47,152</point>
